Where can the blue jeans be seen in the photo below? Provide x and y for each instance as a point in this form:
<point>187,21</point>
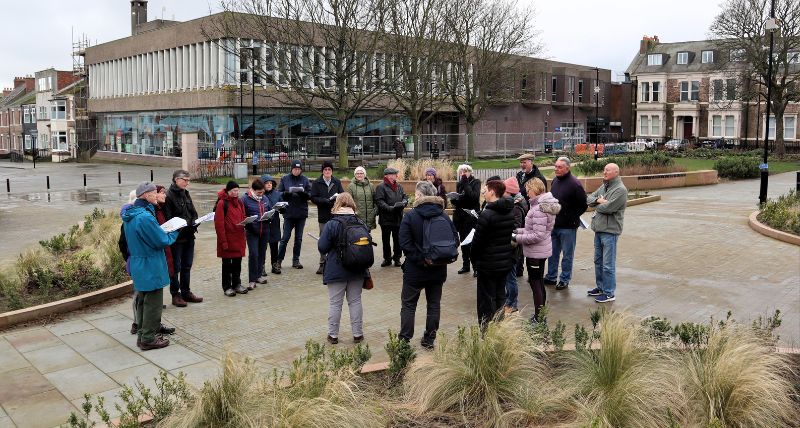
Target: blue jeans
<point>605,261</point>
<point>512,290</point>
<point>256,255</point>
<point>182,258</point>
<point>563,241</point>
<point>288,224</point>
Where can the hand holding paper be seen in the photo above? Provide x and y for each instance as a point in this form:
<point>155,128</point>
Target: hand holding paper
<point>174,224</point>
<point>297,189</point>
<point>333,198</point>
<point>249,220</point>
<point>453,195</point>
<point>471,212</point>
<point>267,215</point>
<point>205,218</point>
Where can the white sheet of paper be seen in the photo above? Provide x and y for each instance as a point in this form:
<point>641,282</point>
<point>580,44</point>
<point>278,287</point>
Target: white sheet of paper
<point>281,204</point>
<point>205,218</point>
<point>468,239</point>
<point>471,212</point>
<point>249,220</point>
<point>173,224</point>
<point>297,189</point>
<point>583,223</point>
<point>453,195</point>
<point>267,215</point>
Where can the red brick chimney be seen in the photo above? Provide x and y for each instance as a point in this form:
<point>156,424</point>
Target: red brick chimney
<point>28,82</point>
<point>647,43</point>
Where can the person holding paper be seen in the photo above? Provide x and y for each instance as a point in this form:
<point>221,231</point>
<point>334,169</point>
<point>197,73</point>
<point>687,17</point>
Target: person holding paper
<point>469,196</point>
<point>256,233</point>
<point>391,201</point>
<point>323,194</point>
<point>146,242</point>
<point>609,202</point>
<point>364,194</point>
<point>228,214</point>
<point>179,204</point>
<point>572,197</point>
<point>272,197</point>
<point>295,189</point>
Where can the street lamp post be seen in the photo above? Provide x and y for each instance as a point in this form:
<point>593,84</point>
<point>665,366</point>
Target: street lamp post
<point>596,110</point>
<point>770,26</point>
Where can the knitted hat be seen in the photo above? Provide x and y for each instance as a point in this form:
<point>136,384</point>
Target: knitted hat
<point>430,171</point>
<point>144,187</point>
<point>296,164</point>
<point>512,186</point>
<point>360,169</point>
<point>231,185</point>
<point>326,164</point>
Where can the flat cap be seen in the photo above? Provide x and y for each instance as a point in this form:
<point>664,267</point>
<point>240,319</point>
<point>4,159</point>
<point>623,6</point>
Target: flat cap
<point>526,156</point>
<point>144,187</point>
<point>390,170</point>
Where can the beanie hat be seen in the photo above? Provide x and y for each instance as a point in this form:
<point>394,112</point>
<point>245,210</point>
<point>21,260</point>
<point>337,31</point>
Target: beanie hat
<point>231,185</point>
<point>296,164</point>
<point>144,187</point>
<point>326,164</point>
<point>512,185</point>
<point>430,171</point>
<point>360,169</point>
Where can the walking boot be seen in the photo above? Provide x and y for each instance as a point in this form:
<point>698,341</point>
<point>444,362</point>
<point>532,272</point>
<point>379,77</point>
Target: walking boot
<point>276,268</point>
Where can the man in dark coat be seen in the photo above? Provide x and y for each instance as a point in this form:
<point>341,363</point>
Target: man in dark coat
<point>296,190</point>
<point>495,259</point>
<point>179,204</point>
<point>572,197</point>
<point>527,171</point>
<point>418,276</point>
<point>391,200</point>
<point>468,197</point>
<point>323,194</point>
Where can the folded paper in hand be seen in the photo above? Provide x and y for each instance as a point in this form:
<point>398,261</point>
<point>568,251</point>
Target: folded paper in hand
<point>333,198</point>
<point>583,223</point>
<point>205,218</point>
<point>471,212</point>
<point>281,204</point>
<point>249,220</point>
<point>468,239</point>
<point>173,224</point>
<point>297,189</point>
<point>267,215</point>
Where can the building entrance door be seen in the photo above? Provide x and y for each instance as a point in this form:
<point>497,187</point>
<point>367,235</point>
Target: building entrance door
<point>687,127</point>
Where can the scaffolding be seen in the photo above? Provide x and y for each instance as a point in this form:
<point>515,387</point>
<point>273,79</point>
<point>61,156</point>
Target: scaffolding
<point>85,121</point>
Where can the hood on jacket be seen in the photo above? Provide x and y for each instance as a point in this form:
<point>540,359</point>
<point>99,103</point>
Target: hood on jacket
<point>502,205</point>
<point>268,177</point>
<point>548,204</point>
<point>429,206</point>
<point>124,208</point>
<point>138,207</point>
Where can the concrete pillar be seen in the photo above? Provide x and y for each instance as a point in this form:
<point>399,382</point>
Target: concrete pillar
<point>189,152</point>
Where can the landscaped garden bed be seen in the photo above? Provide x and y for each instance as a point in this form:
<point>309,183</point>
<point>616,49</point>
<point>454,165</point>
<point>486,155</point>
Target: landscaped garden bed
<point>783,213</point>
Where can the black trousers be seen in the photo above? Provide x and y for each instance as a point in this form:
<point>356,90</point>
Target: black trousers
<point>466,250</point>
<point>182,259</point>
<point>535,279</point>
<point>231,273</point>
<point>273,252</point>
<point>409,297</point>
<point>491,294</point>
<point>390,235</point>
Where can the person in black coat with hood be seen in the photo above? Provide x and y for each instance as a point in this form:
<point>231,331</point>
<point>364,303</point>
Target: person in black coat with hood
<point>496,256</point>
<point>468,189</point>
<point>323,194</point>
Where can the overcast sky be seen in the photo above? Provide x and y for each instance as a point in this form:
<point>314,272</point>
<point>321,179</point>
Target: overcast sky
<point>600,33</point>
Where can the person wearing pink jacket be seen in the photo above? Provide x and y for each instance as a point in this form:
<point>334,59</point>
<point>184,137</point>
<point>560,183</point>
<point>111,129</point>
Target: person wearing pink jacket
<point>535,239</point>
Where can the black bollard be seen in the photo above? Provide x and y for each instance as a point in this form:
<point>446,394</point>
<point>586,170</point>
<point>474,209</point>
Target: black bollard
<point>48,182</point>
<point>151,175</point>
<point>84,180</point>
<point>119,177</point>
<point>8,184</point>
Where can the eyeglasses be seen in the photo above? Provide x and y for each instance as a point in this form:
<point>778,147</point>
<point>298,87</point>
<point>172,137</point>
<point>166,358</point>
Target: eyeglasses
<point>183,178</point>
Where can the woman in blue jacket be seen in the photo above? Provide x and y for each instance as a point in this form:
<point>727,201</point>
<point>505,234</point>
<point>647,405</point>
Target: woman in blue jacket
<point>257,233</point>
<point>272,197</point>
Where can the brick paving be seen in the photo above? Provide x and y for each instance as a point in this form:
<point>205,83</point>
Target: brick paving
<point>689,257</point>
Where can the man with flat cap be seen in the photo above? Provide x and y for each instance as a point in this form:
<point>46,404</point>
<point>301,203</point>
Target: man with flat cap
<point>527,171</point>
<point>391,200</point>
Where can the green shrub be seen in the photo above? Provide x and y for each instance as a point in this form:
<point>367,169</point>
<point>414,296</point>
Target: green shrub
<point>782,213</point>
<point>11,290</point>
<point>737,168</point>
<point>35,272</point>
<point>400,352</point>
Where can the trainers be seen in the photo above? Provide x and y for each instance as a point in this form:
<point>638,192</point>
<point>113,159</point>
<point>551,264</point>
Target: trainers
<point>297,265</point>
<point>276,268</point>
<point>463,270</point>
<point>595,292</point>
<point>178,301</point>
<point>251,286</point>
<point>134,328</point>
<point>358,339</point>
<point>386,263</point>
<point>162,329</point>
<point>549,282</point>
<point>158,342</point>
<point>562,285</point>
<point>240,290</point>
<point>397,263</point>
<point>262,279</point>
<point>605,298</point>
<point>191,298</point>
<point>333,340</point>
<point>230,292</point>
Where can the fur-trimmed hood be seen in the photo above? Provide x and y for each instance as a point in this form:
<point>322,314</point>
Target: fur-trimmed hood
<point>429,200</point>
<point>547,203</point>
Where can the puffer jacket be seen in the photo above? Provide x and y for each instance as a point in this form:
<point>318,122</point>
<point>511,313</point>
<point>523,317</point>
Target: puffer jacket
<point>273,197</point>
<point>253,206</point>
<point>146,242</point>
<point>231,242</point>
<point>298,201</point>
<point>492,249</point>
<point>328,245</point>
<point>520,210</point>
<point>535,236</point>
<point>363,194</point>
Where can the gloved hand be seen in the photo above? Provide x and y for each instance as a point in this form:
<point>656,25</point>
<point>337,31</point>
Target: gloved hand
<point>404,202</point>
<point>464,179</point>
<point>398,206</point>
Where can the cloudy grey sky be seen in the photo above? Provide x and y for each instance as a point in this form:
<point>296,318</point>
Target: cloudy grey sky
<point>38,34</point>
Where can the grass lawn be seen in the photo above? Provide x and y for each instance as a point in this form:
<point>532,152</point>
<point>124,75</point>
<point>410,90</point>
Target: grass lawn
<point>775,167</point>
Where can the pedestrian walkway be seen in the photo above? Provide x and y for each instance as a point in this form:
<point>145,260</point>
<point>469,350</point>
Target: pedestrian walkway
<point>689,257</point>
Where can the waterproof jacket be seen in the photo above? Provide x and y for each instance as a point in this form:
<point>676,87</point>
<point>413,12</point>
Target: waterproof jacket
<point>146,242</point>
<point>298,202</point>
<point>253,206</point>
<point>572,197</point>
<point>523,177</point>
<point>179,204</point>
<point>272,197</point>
<point>608,217</point>
<point>321,196</point>
<point>469,191</point>
<point>390,213</point>
<point>328,244</point>
<point>364,195</point>
<point>231,240</point>
<point>535,236</point>
<point>411,237</point>
<point>491,244</point>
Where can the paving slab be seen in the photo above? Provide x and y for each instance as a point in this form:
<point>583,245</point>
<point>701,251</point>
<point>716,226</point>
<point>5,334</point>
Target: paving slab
<point>32,339</point>
<point>89,341</point>
<point>114,323</point>
<point>114,359</point>
<point>146,373</point>
<point>6,422</point>
<point>173,356</point>
<point>76,381</point>
<point>55,358</point>
<point>43,410</point>
<point>198,374</point>
<point>68,327</point>
<point>10,358</point>
<point>22,383</point>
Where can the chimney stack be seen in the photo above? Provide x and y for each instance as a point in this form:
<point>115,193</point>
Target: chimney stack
<point>138,14</point>
<point>647,43</point>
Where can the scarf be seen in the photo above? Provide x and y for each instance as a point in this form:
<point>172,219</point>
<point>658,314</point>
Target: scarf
<point>254,196</point>
<point>344,211</point>
<point>390,183</point>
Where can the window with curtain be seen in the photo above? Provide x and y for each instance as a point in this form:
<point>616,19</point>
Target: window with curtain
<point>655,125</point>
<point>716,126</point>
<point>644,125</point>
<point>729,129</point>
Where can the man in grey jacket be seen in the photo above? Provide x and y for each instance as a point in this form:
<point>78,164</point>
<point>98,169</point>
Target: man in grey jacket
<point>609,211</point>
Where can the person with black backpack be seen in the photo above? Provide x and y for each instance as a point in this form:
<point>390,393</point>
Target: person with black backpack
<point>347,245</point>
<point>429,240</point>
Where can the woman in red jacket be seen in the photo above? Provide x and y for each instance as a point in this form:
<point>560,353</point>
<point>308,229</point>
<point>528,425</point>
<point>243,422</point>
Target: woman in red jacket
<point>231,242</point>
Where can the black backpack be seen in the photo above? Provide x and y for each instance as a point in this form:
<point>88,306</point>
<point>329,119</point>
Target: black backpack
<point>355,244</point>
<point>439,241</point>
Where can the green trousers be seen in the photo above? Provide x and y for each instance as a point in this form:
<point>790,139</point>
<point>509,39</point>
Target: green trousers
<point>148,313</point>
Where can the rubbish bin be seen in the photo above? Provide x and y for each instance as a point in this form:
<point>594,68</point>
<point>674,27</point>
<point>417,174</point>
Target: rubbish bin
<point>239,170</point>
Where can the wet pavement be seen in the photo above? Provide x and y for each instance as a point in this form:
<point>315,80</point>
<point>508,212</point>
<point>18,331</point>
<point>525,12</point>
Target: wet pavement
<point>688,257</point>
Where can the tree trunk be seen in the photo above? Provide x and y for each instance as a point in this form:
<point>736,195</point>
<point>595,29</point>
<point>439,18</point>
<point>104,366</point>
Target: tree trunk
<point>416,138</point>
<point>341,144</point>
<point>470,149</point>
<point>780,148</point>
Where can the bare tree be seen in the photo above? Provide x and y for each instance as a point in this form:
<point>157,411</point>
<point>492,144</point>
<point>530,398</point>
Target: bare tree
<point>486,40</point>
<point>316,55</point>
<point>414,52</point>
<point>740,30</point>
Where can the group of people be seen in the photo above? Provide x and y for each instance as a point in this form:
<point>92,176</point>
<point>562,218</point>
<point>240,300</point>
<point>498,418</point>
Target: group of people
<point>520,226</point>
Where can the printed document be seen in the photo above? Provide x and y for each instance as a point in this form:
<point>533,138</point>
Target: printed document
<point>468,239</point>
<point>173,224</point>
<point>205,218</point>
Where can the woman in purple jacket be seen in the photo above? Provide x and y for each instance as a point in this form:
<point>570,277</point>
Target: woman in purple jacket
<point>535,238</point>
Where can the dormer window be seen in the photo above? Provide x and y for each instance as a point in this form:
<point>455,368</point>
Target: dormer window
<point>654,59</point>
<point>708,57</point>
<point>683,58</point>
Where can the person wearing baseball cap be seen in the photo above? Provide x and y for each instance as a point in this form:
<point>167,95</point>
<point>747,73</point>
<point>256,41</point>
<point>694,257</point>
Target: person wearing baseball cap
<point>146,242</point>
<point>324,191</point>
<point>296,190</point>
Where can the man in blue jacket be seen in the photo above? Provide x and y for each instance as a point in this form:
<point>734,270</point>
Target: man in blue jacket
<point>323,193</point>
<point>296,190</point>
<point>148,265</point>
